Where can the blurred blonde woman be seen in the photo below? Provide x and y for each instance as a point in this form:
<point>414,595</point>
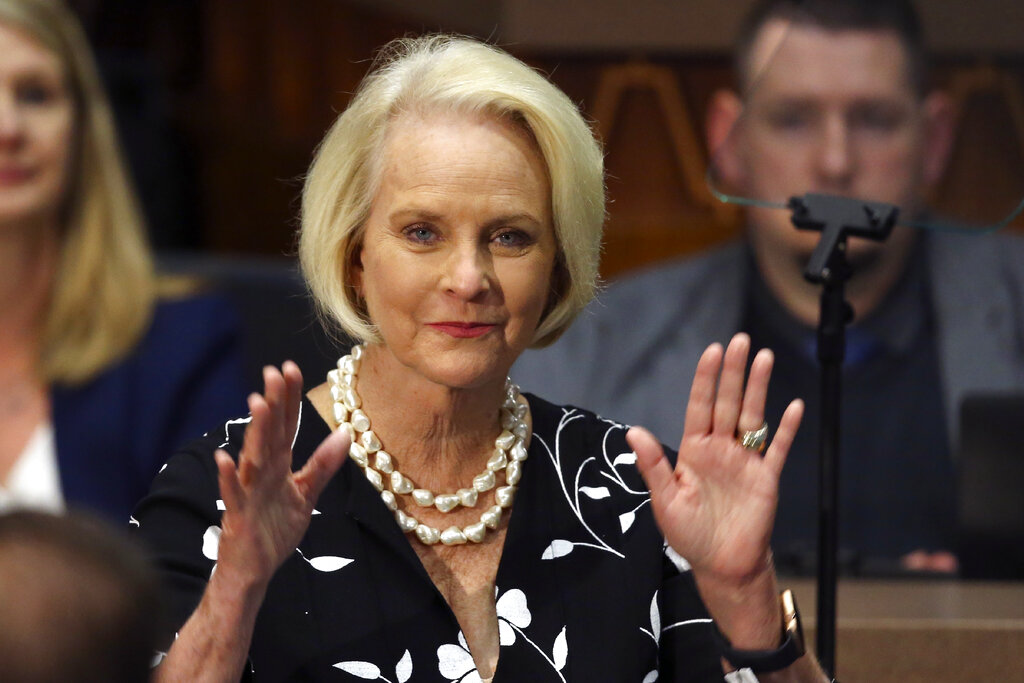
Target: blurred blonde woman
<point>100,376</point>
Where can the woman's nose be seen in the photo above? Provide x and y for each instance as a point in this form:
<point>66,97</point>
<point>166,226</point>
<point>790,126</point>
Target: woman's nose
<point>469,273</point>
<point>11,120</point>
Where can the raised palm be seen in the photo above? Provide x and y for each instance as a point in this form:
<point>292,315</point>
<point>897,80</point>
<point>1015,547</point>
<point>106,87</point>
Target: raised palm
<point>267,506</point>
<point>717,506</point>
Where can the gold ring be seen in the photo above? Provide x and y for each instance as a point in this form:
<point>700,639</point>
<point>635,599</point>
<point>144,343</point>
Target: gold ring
<point>756,439</point>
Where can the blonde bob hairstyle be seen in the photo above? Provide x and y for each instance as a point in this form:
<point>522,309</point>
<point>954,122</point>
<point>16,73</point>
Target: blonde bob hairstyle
<point>461,76</point>
<point>103,292</point>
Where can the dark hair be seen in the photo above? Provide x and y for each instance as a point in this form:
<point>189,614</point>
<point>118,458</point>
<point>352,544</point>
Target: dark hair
<point>898,16</point>
<point>78,602</point>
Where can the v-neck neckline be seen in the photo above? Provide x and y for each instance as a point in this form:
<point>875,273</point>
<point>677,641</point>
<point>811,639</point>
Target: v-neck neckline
<point>362,503</point>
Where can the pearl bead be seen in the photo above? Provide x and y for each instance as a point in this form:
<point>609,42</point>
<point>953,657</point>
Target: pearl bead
<point>503,495</point>
<point>453,536</point>
<point>521,430</point>
<point>497,461</point>
<point>348,365</point>
<point>337,394</point>
<point>357,352</point>
<point>375,478</point>
<point>333,377</point>
<point>518,452</point>
<point>484,482</point>
<point>405,522</point>
<point>492,517</point>
<point>351,399</point>
<point>508,420</point>
<point>400,484</point>
<point>382,461</point>
<point>514,472</point>
<point>423,497</point>
<point>446,502</point>
<point>359,420</point>
<point>389,500</point>
<point>358,453</point>
<point>347,428</point>
<point>467,497</point>
<point>428,535</point>
<point>505,440</point>
<point>475,532</point>
<point>340,412</point>
<point>370,442</point>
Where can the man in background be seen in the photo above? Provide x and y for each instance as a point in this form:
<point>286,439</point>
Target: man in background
<point>833,98</point>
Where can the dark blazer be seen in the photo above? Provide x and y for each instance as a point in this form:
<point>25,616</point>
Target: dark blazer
<point>115,432</point>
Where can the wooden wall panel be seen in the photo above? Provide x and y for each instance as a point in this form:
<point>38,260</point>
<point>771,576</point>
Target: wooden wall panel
<point>274,78</point>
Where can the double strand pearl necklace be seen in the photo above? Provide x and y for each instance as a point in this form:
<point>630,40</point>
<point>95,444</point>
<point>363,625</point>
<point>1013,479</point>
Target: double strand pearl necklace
<point>509,454</point>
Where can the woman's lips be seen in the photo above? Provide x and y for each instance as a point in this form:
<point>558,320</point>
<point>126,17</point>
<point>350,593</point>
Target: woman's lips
<point>462,330</point>
<point>14,175</point>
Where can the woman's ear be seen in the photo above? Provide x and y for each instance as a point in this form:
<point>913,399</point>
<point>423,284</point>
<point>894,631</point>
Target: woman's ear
<point>355,271</point>
<point>724,112</point>
<point>940,130</point>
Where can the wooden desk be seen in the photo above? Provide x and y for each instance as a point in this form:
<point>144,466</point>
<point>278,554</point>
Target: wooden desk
<point>922,630</point>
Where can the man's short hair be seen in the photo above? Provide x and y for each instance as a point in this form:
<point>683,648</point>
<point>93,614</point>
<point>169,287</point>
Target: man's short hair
<point>78,603</point>
<point>898,16</point>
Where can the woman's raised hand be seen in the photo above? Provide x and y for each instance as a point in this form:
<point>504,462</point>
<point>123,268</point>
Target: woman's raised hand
<point>717,507</point>
<point>267,506</point>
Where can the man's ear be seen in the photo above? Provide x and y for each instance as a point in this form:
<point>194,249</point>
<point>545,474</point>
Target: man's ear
<point>940,131</point>
<point>723,156</point>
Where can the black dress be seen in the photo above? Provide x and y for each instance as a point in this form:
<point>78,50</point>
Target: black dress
<point>586,588</point>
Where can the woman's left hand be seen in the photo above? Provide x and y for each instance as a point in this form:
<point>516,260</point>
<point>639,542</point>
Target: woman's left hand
<point>717,507</point>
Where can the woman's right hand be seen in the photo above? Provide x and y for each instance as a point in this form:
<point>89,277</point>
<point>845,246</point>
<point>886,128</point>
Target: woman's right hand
<point>267,506</point>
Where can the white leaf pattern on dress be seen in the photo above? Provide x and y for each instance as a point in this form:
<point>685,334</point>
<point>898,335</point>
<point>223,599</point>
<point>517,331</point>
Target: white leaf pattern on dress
<point>326,563</point>
<point>651,676</point>
<point>655,618</point>
<point>364,670</point>
<point>211,542</point>
<point>512,608</point>
<point>454,662</point>
<point>403,670</point>
<point>514,616</point>
<point>572,488</point>
<point>557,548</point>
<point>625,459</point>
<point>595,493</point>
<point>560,652</point>
<point>678,560</point>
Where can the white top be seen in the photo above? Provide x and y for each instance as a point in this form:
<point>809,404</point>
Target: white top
<point>34,481</point>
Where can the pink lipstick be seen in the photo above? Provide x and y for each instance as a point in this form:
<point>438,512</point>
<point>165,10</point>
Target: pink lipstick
<point>462,330</point>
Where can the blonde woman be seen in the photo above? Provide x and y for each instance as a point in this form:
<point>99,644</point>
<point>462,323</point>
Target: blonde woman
<point>452,219</point>
<point>101,378</point>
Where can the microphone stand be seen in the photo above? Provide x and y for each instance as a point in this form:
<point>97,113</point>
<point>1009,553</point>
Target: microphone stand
<point>836,218</point>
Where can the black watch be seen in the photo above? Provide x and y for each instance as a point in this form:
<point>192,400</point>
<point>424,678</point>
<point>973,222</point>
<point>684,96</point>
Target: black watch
<point>766,661</point>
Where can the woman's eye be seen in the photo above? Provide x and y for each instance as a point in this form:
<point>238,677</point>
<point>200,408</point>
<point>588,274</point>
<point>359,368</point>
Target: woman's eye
<point>421,234</point>
<point>512,238</point>
<point>36,94</point>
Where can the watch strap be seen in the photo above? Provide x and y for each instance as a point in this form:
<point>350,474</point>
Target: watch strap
<point>766,661</point>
